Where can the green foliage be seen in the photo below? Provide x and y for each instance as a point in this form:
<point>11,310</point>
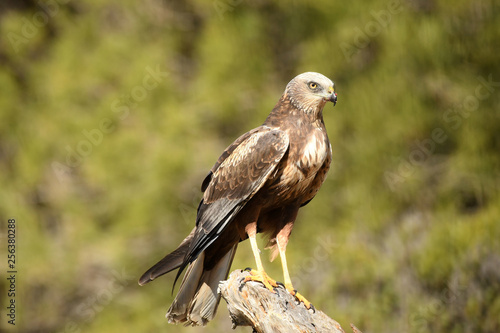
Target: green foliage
<point>112,112</point>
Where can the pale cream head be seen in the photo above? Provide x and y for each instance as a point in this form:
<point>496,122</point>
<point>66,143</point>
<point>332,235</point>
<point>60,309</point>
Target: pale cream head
<point>310,92</point>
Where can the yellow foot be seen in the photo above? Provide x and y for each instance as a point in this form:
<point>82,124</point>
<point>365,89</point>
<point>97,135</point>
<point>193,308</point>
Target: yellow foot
<point>302,299</point>
<point>299,297</point>
<point>261,276</point>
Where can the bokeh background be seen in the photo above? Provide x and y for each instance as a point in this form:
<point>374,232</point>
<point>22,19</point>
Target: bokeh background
<point>112,112</point>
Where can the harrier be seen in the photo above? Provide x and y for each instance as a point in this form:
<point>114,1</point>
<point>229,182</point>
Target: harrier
<point>258,184</point>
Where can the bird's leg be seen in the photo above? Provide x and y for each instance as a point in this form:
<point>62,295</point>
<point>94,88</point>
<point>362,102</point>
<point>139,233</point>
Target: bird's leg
<point>282,240</point>
<point>259,274</point>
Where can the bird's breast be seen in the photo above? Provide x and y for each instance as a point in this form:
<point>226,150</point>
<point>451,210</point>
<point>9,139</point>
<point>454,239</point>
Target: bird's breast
<point>306,157</point>
<point>313,154</point>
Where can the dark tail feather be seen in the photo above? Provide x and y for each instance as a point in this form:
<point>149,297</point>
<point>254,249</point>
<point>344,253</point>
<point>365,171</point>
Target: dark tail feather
<point>197,300</point>
<point>169,262</point>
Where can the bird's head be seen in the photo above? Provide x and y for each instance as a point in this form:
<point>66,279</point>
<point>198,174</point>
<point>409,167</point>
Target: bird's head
<point>310,92</point>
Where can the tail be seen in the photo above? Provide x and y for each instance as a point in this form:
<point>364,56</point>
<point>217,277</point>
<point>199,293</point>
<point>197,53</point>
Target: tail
<point>169,262</point>
<point>197,300</point>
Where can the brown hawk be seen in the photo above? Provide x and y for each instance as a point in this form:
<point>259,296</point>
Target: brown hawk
<point>257,185</point>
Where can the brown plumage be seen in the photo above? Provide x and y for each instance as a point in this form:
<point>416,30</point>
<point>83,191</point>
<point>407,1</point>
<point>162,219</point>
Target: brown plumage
<point>257,185</point>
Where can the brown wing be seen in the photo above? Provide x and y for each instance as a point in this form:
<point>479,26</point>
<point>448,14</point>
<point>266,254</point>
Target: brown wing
<point>229,150</point>
<point>234,182</point>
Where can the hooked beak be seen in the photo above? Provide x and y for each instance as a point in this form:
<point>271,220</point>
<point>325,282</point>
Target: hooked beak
<point>332,96</point>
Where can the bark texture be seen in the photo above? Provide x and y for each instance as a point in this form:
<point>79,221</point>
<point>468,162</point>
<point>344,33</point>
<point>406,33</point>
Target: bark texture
<point>251,304</point>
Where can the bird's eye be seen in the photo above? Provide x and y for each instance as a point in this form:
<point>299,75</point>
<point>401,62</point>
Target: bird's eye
<point>313,85</point>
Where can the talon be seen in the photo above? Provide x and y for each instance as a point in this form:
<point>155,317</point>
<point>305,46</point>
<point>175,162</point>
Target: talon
<point>248,269</point>
<point>302,299</point>
<point>262,277</point>
<point>290,289</point>
<point>280,284</point>
<point>299,297</point>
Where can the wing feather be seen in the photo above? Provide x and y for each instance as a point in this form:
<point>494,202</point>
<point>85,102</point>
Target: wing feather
<point>229,150</point>
<point>235,178</point>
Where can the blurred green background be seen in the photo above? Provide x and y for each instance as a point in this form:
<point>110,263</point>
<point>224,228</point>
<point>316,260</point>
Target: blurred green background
<point>112,112</point>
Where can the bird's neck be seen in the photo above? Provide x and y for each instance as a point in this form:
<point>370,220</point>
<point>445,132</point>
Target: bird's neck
<point>286,110</point>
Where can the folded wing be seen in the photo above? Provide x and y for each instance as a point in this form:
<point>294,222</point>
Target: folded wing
<point>233,181</point>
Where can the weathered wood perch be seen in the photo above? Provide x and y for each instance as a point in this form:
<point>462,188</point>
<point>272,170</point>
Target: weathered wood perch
<point>251,304</point>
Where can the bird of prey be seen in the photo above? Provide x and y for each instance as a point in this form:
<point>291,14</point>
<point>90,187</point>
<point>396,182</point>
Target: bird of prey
<point>257,185</point>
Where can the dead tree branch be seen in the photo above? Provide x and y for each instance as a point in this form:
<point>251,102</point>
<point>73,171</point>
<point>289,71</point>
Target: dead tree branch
<point>251,304</point>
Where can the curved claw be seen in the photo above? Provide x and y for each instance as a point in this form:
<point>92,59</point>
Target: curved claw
<point>299,297</point>
<point>302,299</point>
<point>261,276</point>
